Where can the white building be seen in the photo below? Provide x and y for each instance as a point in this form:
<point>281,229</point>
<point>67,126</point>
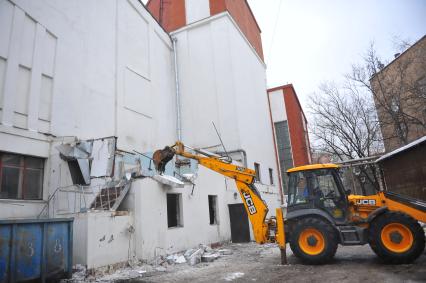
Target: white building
<point>81,71</point>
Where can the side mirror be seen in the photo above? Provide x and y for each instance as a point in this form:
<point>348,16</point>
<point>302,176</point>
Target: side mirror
<point>348,192</point>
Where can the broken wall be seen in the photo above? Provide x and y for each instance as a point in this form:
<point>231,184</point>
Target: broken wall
<point>102,238</point>
<point>147,199</point>
<point>111,75</point>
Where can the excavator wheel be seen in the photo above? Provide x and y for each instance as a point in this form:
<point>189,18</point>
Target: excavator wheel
<point>396,238</point>
<point>313,240</point>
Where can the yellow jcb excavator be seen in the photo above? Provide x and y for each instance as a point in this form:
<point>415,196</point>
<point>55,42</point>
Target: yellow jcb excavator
<point>321,214</point>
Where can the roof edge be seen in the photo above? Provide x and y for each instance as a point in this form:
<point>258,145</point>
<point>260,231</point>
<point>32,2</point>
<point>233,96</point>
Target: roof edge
<point>214,17</point>
<point>294,90</point>
<point>403,148</point>
<point>395,59</point>
<point>312,167</point>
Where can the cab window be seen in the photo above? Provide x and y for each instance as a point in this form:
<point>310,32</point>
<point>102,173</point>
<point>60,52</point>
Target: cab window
<point>298,188</point>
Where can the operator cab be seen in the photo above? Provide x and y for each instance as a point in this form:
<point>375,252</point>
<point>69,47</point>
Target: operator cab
<point>317,186</point>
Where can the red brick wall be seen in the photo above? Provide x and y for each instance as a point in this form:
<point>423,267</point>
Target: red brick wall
<point>217,6</point>
<point>174,16</point>
<point>243,16</point>
<point>295,124</point>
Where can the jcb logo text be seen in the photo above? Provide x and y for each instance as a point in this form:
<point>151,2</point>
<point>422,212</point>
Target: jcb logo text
<point>250,203</point>
<point>366,202</point>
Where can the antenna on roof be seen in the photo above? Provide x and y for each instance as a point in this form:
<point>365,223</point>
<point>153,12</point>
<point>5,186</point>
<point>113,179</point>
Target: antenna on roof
<point>224,149</point>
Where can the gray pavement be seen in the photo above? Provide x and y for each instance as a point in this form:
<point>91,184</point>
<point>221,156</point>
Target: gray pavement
<point>255,263</point>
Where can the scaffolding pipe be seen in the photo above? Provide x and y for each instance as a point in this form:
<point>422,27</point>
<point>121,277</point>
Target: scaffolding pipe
<point>178,113</point>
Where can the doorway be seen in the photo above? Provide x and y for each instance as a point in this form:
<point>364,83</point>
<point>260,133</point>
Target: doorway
<point>240,232</point>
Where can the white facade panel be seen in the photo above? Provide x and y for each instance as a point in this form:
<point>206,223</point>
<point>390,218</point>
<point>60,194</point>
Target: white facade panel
<point>6,19</point>
<point>137,93</point>
<point>2,75</point>
<point>23,90</point>
<point>44,111</point>
<point>278,111</point>
<point>27,42</point>
<point>49,53</point>
<point>135,31</point>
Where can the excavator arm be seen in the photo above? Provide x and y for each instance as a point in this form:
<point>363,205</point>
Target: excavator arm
<point>244,178</point>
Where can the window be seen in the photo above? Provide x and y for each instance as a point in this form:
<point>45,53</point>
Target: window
<point>174,210</point>
<point>271,176</point>
<point>319,188</point>
<point>285,155</point>
<point>257,170</point>
<point>21,177</point>
<point>303,122</point>
<point>213,209</point>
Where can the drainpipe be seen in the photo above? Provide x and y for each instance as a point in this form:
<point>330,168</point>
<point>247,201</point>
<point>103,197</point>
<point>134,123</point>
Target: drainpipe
<point>178,113</point>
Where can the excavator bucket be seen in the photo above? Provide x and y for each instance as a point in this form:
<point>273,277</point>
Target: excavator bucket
<point>161,157</point>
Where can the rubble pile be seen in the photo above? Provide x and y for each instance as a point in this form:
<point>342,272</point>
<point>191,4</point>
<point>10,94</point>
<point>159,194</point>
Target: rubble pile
<point>163,263</point>
<point>193,256</point>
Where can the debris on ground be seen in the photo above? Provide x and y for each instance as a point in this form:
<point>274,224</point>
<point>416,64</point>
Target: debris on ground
<point>234,276</point>
<point>175,258</point>
<point>209,257</point>
<point>161,269</point>
<point>79,273</point>
<point>195,257</point>
<point>250,262</point>
<point>162,263</point>
<point>225,252</point>
<point>124,274</point>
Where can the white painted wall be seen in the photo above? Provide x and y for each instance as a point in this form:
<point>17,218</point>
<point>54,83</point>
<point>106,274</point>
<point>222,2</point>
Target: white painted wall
<point>151,224</point>
<point>196,10</point>
<point>277,102</point>
<point>145,81</point>
<point>223,81</point>
<point>101,239</point>
<point>112,74</point>
<point>75,69</point>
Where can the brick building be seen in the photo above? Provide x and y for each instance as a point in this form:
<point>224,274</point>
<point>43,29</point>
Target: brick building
<point>400,96</point>
<point>173,15</point>
<point>290,128</point>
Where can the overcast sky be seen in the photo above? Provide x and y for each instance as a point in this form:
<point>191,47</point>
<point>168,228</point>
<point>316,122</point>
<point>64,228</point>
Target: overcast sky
<point>306,42</point>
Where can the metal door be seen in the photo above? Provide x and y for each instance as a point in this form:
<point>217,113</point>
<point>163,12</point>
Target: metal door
<point>240,232</point>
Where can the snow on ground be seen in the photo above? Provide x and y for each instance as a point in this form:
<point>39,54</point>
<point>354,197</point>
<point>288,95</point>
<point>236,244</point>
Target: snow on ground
<point>251,262</point>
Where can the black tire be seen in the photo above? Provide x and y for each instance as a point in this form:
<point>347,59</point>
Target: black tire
<point>329,236</point>
<point>384,253</point>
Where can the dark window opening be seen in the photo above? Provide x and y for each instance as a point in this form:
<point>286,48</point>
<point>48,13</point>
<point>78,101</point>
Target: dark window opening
<point>213,209</point>
<point>174,217</point>
<point>257,170</point>
<point>271,176</point>
<point>21,177</point>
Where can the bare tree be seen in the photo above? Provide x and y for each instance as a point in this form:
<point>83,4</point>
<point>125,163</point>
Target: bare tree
<point>344,121</point>
<point>398,92</point>
<point>344,124</point>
